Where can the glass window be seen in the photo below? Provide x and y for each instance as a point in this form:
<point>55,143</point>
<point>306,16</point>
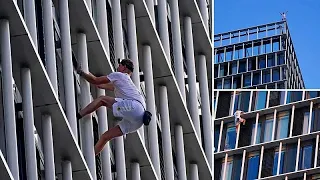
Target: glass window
<point>242,66</point>
<point>258,137</point>
<point>276,46</point>
<point>306,158</point>
<point>266,76</point>
<point>268,47</point>
<point>282,125</point>
<point>229,54</point>
<point>247,80</point>
<point>259,100</point>
<point>220,57</point>
<point>216,138</point>
<point>234,68</point>
<point>275,75</point>
<point>228,170</point>
<point>271,61</point>
<point>219,84</point>
<point>234,85</point>
<point>227,84</point>
<point>275,162</point>
<point>256,79</point>
<point>252,64</point>
<point>280,59</point>
<point>221,71</point>
<point>312,94</point>
<point>242,101</point>
<point>293,96</point>
<point>241,53</point>
<point>256,50</point>
<point>248,49</point>
<point>276,98</point>
<point>253,167</point>
<point>262,62</point>
<point>290,158</point>
<point>230,141</point>
<point>315,118</point>
<point>267,136</point>
<point>216,71</point>
<point>305,122</point>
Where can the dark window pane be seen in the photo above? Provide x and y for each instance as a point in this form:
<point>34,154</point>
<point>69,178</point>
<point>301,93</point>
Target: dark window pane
<point>306,158</point>
<point>234,68</point>
<point>247,80</point>
<point>262,63</point>
<point>271,61</point>
<point>275,75</point>
<point>219,84</point>
<point>216,71</point>
<point>242,66</point>
<point>280,59</point>
<point>253,167</point>
<point>256,79</point>
<point>266,76</point>
<point>230,141</point>
<point>290,159</point>
<point>293,96</point>
<point>227,84</point>
<point>259,100</point>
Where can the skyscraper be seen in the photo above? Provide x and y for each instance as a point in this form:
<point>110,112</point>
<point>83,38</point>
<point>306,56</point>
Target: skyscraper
<point>257,57</point>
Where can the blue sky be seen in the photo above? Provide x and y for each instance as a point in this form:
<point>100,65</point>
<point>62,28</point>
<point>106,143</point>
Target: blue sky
<point>303,20</point>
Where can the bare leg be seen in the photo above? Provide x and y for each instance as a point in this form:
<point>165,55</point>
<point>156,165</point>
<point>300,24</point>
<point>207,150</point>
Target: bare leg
<point>94,105</point>
<point>107,136</point>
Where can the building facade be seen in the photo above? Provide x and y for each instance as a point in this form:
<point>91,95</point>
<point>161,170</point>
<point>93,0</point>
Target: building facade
<point>169,43</point>
<point>256,57</point>
<point>279,140</point>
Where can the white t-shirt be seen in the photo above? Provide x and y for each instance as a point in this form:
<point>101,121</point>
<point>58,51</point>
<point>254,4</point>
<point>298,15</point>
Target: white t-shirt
<point>124,87</point>
<point>237,115</point>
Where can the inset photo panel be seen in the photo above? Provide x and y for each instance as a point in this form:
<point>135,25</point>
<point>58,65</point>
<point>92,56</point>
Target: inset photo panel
<point>266,134</point>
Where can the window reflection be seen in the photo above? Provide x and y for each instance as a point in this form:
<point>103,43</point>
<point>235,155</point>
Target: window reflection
<point>262,62</point>
<point>258,136</point>
<point>241,102</point>
<point>282,125</point>
<point>275,75</point>
<point>267,136</point>
<point>275,162</point>
<point>271,61</point>
<point>266,76</point>
<point>315,118</point>
<point>306,156</point>
<point>256,78</point>
<point>247,80</point>
<point>253,166</point>
<point>293,96</point>
<point>259,100</point>
<point>276,98</point>
<point>230,140</point>
<point>290,158</point>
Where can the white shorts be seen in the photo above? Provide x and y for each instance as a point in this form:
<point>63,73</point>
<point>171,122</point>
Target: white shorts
<point>132,113</point>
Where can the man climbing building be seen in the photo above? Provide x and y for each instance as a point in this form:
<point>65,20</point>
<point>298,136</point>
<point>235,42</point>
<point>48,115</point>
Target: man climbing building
<point>238,119</point>
<point>128,102</point>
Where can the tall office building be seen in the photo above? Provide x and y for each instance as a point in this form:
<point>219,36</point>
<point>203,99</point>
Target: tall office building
<point>279,140</point>
<point>169,43</point>
<point>256,57</point>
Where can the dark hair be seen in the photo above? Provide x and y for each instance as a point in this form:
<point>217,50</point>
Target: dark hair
<point>128,63</point>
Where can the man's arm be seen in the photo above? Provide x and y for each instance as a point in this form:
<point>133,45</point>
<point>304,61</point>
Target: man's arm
<point>93,79</point>
<point>108,86</point>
